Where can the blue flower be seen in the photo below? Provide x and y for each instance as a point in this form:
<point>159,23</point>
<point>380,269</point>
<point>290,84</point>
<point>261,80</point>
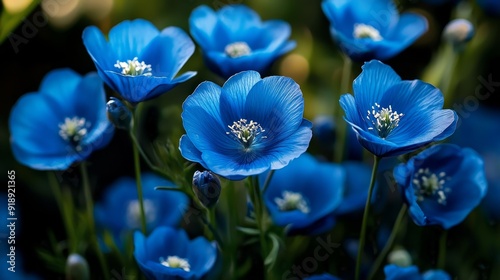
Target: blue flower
<point>139,62</point>
<point>304,194</point>
<point>235,39</point>
<point>119,210</point>
<point>372,29</point>
<point>393,117</point>
<point>247,127</point>
<point>169,254</point>
<point>62,123</point>
<point>356,188</point>
<point>491,7</point>
<point>394,272</point>
<point>442,184</point>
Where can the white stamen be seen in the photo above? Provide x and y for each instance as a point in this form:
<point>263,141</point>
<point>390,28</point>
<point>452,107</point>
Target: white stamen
<point>429,185</point>
<point>176,262</point>
<point>134,67</point>
<point>366,31</point>
<point>237,49</point>
<point>384,120</point>
<point>245,131</point>
<point>74,130</point>
<point>292,201</point>
<point>134,214</point>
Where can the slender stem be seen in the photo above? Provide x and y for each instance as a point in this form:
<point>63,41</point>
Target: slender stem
<point>365,218</point>
<point>267,181</point>
<point>260,214</point>
<point>90,213</point>
<point>137,168</point>
<point>339,150</point>
<point>65,213</point>
<point>388,245</point>
<point>442,250</point>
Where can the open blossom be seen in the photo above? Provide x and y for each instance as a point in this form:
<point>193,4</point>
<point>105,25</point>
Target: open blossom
<point>246,127</point>
<point>62,123</point>
<point>442,184</point>
<point>138,61</point>
<point>235,39</point>
<point>372,29</point>
<point>392,116</point>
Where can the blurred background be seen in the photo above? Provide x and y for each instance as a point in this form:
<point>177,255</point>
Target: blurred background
<point>39,37</point>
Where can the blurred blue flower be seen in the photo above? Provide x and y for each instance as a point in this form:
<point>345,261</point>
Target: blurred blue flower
<point>372,29</point>
<point>355,191</point>
<point>324,276</point>
<point>304,194</point>
<point>119,210</point>
<point>169,254</point>
<point>234,39</point>
<point>63,122</point>
<point>480,131</point>
<point>491,7</point>
<point>442,184</point>
<point>394,272</point>
<point>139,62</point>
<point>247,127</point>
<point>393,117</point>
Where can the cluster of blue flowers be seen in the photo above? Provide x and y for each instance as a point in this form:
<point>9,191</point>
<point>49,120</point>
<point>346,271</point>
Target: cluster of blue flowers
<point>253,128</point>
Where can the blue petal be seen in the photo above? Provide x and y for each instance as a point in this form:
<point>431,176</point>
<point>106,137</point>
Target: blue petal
<point>372,84</point>
<point>202,23</point>
<point>436,274</point>
<point>168,52</point>
<point>240,22</point>
<point>277,104</point>
<point>202,256</point>
<point>227,66</point>
<point>273,36</point>
<point>352,115</point>
<point>356,187</point>
<point>189,151</point>
<point>42,161</point>
<point>394,272</point>
<point>381,14</point>
<point>201,120</point>
<point>408,29</point>
<point>59,86</point>
<point>129,38</point>
<point>234,95</point>
<point>98,48</point>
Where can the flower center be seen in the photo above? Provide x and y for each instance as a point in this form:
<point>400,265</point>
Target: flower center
<point>134,213</point>
<point>245,131</point>
<point>74,130</point>
<point>430,185</point>
<point>292,201</point>
<point>237,49</point>
<point>176,262</point>
<point>134,67</point>
<point>384,120</point>
<point>366,31</point>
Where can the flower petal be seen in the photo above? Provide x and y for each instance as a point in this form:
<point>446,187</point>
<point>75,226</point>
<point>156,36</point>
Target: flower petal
<point>58,87</point>
<point>128,38</point>
<point>98,48</point>
<point>202,24</point>
<point>240,22</point>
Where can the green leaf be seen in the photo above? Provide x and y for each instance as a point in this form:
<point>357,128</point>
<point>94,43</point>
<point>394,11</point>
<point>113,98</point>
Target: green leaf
<point>273,255</point>
<point>9,21</point>
<point>248,231</point>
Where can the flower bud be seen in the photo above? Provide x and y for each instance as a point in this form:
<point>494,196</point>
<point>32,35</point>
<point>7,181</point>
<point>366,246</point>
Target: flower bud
<point>206,186</point>
<point>118,114</point>
<point>77,268</point>
<point>399,257</point>
<point>458,32</point>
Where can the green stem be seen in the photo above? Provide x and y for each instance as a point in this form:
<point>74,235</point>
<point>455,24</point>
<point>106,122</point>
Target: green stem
<point>388,245</point>
<point>260,215</point>
<point>65,213</point>
<point>90,213</point>
<point>447,77</point>
<point>442,250</point>
<point>339,150</point>
<point>365,218</point>
<point>267,181</point>
<point>137,168</point>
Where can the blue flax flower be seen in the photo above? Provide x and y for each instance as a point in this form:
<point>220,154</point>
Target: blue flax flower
<point>372,29</point>
<point>442,184</point>
<point>393,117</point>
<point>119,210</point>
<point>169,254</point>
<point>139,62</point>
<point>304,194</point>
<point>247,127</point>
<point>235,39</point>
<point>394,272</point>
<point>324,276</point>
<point>62,123</point>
